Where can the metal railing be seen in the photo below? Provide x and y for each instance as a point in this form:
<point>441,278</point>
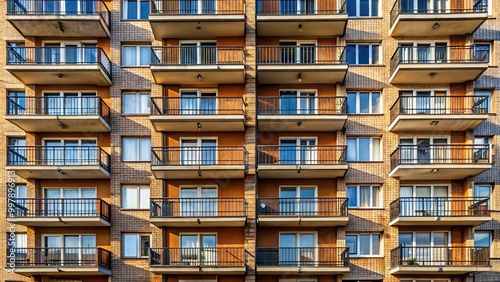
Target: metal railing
<point>197,257</point>
<point>60,106</point>
<point>63,56</point>
<point>190,106</point>
<point>312,256</point>
<point>439,105</point>
<point>422,256</point>
<point>68,257</point>
<point>439,207</point>
<point>296,7</point>
<point>198,156</point>
<point>59,7</point>
<point>62,207</point>
<point>301,155</point>
<point>198,7</point>
<point>306,55</point>
<point>476,7</point>
<point>319,207</point>
<point>441,154</point>
<point>437,55</point>
<point>198,207</point>
<point>58,156</point>
<point>302,105</point>
<point>197,55</point>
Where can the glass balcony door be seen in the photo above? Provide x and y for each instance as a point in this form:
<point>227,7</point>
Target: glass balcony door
<point>198,201</point>
<point>70,104</point>
<point>70,250</point>
<point>297,102</point>
<point>69,7</point>
<point>424,6</point>
<point>198,53</point>
<point>71,152</point>
<point>296,201</point>
<point>423,150</point>
<point>293,7</point>
<point>194,102</point>
<point>69,53</point>
<point>198,152</point>
<point>199,249</point>
<point>298,52</point>
<point>298,151</point>
<point>70,202</point>
<point>424,248</point>
<point>424,201</point>
<point>297,249</point>
<point>17,151</point>
<point>193,7</point>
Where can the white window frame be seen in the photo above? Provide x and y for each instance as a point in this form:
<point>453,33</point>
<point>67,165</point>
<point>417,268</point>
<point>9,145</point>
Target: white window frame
<point>297,233</point>
<point>137,55</point>
<point>138,14</point>
<point>298,93</point>
<point>137,148</point>
<point>358,10</point>
<point>313,151</point>
<point>432,44</point>
<point>490,50</point>
<point>370,105</point>
<point>371,149</point>
<point>137,205</point>
<point>431,142</point>
<point>486,92</point>
<point>138,106</point>
<point>138,237</point>
<point>431,6</point>
<point>61,238</point>
<point>199,95</point>
<point>198,189</point>
<point>490,201</point>
<point>370,53</point>
<point>63,44</point>
<point>414,236</point>
<point>358,198</point>
<point>63,94</point>
<point>298,43</point>
<point>358,244</point>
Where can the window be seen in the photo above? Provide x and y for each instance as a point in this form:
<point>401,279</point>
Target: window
<point>71,103</point>
<point>136,149</point>
<point>16,53</point>
<point>198,102</point>
<point>135,197</point>
<point>424,150</point>
<point>71,152</point>
<point>483,191</point>
<point>198,52</point>
<point>136,56</point>
<point>362,8</point>
<point>423,280</point>
<point>193,7</point>
<point>77,249</point>
<point>482,52</point>
<point>301,102</point>
<point>198,201</point>
<point>20,242</point>
<point>16,154</point>
<point>298,151</point>
<point>69,52</point>
<point>298,201</point>
<point>298,52</point>
<point>297,248</point>
<point>198,249</point>
<point>135,9</point>
<point>414,246</point>
<point>484,94</point>
<point>18,195</point>
<point>198,151</point>
<point>363,102</point>
<point>482,239</point>
<point>424,200</point>
<point>424,101</point>
<point>16,103</point>
<point>482,148</point>
<point>363,196</point>
<point>423,52</point>
<point>135,103</point>
<point>136,245</point>
<point>77,201</point>
<point>361,149</point>
<point>363,244</point>
<point>363,53</point>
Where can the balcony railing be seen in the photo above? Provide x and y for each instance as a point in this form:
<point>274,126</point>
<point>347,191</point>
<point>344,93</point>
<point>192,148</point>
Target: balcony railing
<point>170,106</point>
<point>437,55</point>
<point>59,7</point>
<point>296,7</point>
<point>63,207</point>
<point>67,257</point>
<point>302,106</point>
<point>301,155</point>
<point>58,156</point>
<point>441,154</point>
<point>476,7</point>
<point>319,207</point>
<point>60,106</point>
<point>197,7</point>
<point>197,55</point>
<point>301,55</point>
<point>199,156</point>
<point>198,207</point>
<point>439,105</point>
<point>424,256</point>
<point>197,257</point>
<point>439,207</point>
<point>313,256</point>
<point>53,56</point>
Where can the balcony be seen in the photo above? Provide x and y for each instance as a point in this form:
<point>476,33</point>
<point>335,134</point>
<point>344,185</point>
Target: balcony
<point>438,113</point>
<point>301,64</point>
<point>302,212</point>
<point>198,65</point>
<point>439,260</point>
<point>302,113</point>
<point>219,162</point>
<point>305,261</point>
<point>195,114</point>
<point>212,260</point>
<point>59,65</point>
<point>47,212</point>
<point>301,161</point>
<point>198,212</point>
<point>58,162</point>
<point>297,18</point>
<point>438,211</point>
<point>440,162</point>
<point>198,19</point>
<point>436,65</point>
<point>59,114</point>
<point>59,18</point>
<point>464,17</point>
<point>60,261</point>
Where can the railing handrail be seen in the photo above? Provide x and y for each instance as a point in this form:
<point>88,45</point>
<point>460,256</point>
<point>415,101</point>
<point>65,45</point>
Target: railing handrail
<point>173,207</point>
<point>225,105</point>
<point>315,206</point>
<point>20,8</point>
<point>47,256</point>
<point>322,54</point>
<point>314,256</point>
<point>222,7</point>
<point>339,9</point>
<point>173,155</point>
<point>217,55</point>
<point>222,256</point>
<point>271,106</point>
<point>314,155</point>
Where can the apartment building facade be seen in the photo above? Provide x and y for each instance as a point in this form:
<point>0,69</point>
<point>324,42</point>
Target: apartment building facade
<point>244,140</point>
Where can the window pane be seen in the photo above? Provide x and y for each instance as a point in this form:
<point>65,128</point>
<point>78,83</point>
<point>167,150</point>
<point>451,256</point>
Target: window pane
<point>145,245</point>
<point>364,244</point>
<point>144,198</point>
<point>131,9</point>
<point>375,54</point>
<point>364,103</point>
<point>482,239</point>
<point>130,197</point>
<point>351,54</point>
<point>351,149</point>
<point>375,244</point>
<point>374,8</point>
<point>351,103</point>
<point>129,56</point>
<point>352,196</point>
<point>144,10</point>
<point>375,102</point>
<point>130,245</point>
<point>364,54</point>
<point>364,8</point>
<point>376,149</point>
<point>364,152</point>
<point>364,196</point>
<point>145,149</point>
<point>129,103</point>
<point>129,149</point>
<point>350,242</point>
<point>145,108</point>
<point>145,55</point>
<point>351,8</point>
<point>376,196</point>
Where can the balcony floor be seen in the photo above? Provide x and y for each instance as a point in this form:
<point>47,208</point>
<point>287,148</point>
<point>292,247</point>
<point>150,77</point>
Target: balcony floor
<point>54,123</point>
<point>303,269</point>
<point>302,171</point>
<point>48,25</point>
<point>445,171</point>
<point>439,220</point>
<point>438,270</point>
<point>446,122</point>
<point>48,74</point>
<point>50,172</point>
<point>62,270</point>
<point>215,221</point>
<point>302,221</point>
<point>41,221</point>
<point>212,270</point>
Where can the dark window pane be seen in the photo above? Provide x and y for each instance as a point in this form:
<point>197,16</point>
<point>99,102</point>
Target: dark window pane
<point>351,103</point>
<point>374,8</point>
<point>351,8</point>
<point>144,10</point>
<point>364,8</point>
<point>132,9</point>
<point>364,54</point>
<point>351,54</point>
